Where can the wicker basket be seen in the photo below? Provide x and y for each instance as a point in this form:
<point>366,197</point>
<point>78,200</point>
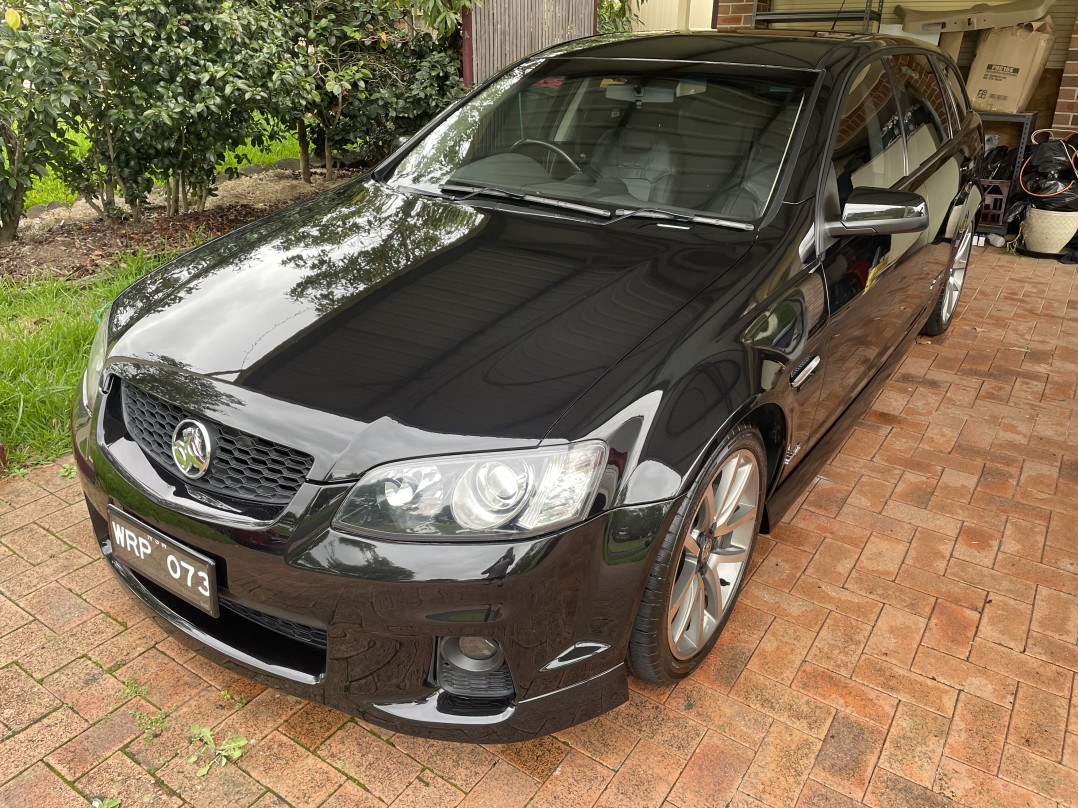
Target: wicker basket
<point>1048,231</point>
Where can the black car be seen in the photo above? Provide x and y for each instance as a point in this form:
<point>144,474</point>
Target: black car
<point>460,444</point>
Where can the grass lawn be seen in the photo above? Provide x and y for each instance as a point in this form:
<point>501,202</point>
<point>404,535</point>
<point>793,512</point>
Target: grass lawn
<point>46,327</point>
<point>50,189</point>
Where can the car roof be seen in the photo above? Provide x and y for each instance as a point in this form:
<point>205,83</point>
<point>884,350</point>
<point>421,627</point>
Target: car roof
<point>807,50</point>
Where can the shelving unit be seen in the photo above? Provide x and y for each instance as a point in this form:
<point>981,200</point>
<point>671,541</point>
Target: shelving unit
<point>991,216</point>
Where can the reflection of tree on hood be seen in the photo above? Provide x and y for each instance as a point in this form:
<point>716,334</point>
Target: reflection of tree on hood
<point>366,241</point>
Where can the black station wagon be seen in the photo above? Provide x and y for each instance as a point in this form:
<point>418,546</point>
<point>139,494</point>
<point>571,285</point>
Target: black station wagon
<point>461,444</point>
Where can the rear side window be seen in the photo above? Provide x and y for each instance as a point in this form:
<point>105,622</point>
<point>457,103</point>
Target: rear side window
<point>868,147</point>
<point>926,119</point>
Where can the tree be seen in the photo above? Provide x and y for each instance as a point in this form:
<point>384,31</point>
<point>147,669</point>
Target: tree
<point>43,82</point>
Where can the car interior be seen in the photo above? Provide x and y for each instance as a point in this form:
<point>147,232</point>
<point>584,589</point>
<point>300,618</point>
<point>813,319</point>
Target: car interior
<point>706,144</point>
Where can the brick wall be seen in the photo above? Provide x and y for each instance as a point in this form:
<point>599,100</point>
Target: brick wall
<point>731,15</point>
<point>1066,116</point>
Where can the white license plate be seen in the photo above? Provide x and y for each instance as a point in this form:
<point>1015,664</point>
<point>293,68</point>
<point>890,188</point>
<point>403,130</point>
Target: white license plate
<point>183,572</point>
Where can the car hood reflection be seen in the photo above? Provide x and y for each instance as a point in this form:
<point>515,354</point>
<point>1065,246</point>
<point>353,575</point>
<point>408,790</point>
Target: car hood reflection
<point>368,302</point>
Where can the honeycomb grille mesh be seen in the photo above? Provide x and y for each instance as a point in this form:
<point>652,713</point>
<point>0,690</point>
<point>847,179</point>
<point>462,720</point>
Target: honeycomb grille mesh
<point>243,466</point>
<point>309,635</point>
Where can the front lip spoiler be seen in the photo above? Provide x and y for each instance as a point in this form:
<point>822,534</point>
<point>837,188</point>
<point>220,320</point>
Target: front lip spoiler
<point>138,590</point>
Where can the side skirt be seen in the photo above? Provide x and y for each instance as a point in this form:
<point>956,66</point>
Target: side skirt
<point>827,446</point>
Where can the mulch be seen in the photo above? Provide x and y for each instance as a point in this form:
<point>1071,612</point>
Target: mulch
<point>77,250</point>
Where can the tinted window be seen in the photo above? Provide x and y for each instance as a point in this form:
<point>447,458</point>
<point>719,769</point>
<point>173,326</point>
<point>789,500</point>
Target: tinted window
<point>700,138</point>
<point>868,147</point>
<point>926,120</point>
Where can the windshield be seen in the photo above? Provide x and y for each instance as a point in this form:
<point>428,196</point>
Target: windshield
<point>705,139</point>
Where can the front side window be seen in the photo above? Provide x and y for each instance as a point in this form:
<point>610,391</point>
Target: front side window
<point>926,121</point>
<point>869,151</point>
<point>702,138</point>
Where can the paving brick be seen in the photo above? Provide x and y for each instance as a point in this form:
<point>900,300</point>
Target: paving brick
<point>914,744</point>
<point>644,779</point>
<point>384,770</point>
<point>1038,722</point>
<point>781,767</point>
<point>169,683</point>
<point>1024,539</point>
<point>782,567</point>
<point>713,773</point>
<point>888,790</point>
<point>839,643</point>
<point>735,646</point>
<point>659,723</point>
<point>312,723</point>
<point>848,756</point>
<point>973,787</point>
<point>34,544</point>
<point>1055,613</point>
<point>832,562</point>
<point>1026,669</point>
<point>882,556</point>
<point>291,771</point>
<point>17,752</point>
<point>58,650</point>
<point>782,604</point>
<point>951,629</point>
<point>703,704</point>
<point>906,685</point>
<point>86,688</point>
<point>781,651</point>
<point>1005,621</point>
<point>223,785</point>
<point>538,757</point>
<point>119,777</point>
<point>845,694</point>
<point>22,700</point>
<point>428,791</point>
<point>838,600</point>
<point>82,753</point>
<point>977,733</point>
<point>1045,777</point>
<point>40,788</point>
<point>768,696</point>
<point>58,608</point>
<point>817,795</point>
<point>504,786</point>
<point>895,636</point>
<point>902,597</point>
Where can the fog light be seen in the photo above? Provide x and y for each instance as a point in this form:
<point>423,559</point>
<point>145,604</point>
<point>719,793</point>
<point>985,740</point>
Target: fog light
<point>477,648</point>
<point>472,654</point>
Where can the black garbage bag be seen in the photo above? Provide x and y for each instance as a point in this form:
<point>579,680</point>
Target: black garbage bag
<point>999,163</point>
<point>1049,176</point>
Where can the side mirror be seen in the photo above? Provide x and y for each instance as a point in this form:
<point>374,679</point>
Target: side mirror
<point>880,212</point>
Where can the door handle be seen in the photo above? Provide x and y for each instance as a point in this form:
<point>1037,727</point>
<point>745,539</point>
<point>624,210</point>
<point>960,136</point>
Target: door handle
<point>805,372</point>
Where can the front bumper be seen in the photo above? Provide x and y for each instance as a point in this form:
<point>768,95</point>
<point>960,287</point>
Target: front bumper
<point>562,606</point>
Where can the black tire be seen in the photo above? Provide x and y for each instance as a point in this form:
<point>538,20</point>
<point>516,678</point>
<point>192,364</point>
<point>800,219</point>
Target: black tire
<point>650,655</point>
<point>943,313</point>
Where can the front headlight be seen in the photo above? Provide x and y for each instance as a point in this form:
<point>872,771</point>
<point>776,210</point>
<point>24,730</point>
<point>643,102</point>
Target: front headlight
<point>497,494</point>
<point>91,379</point>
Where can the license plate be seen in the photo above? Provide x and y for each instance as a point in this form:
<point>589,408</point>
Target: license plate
<point>183,572</point>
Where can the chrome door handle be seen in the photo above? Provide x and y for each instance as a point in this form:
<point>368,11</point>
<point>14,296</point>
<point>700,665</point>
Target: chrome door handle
<point>805,372</point>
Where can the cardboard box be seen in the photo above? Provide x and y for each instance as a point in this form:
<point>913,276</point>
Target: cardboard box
<point>1008,65</point>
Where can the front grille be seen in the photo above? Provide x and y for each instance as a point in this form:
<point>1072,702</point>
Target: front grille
<point>243,467</point>
<point>308,635</point>
<point>486,684</point>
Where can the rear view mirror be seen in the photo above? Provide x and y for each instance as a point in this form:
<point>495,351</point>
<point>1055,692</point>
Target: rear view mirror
<point>880,212</point>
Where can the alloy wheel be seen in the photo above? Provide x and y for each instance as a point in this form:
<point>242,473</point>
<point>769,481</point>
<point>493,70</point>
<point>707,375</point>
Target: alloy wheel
<point>714,555</point>
<point>957,276</point>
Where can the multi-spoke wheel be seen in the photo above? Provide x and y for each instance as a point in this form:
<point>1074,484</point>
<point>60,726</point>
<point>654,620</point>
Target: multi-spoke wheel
<point>952,283</point>
<point>702,563</point>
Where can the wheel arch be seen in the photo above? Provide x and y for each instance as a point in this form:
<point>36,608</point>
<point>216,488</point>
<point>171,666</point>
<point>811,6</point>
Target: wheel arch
<point>770,421</point>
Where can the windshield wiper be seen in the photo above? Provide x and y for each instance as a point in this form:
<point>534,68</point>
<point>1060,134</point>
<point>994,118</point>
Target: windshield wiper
<point>469,191</point>
<point>659,213</point>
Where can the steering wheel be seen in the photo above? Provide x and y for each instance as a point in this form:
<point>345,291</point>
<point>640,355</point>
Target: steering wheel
<point>554,147</point>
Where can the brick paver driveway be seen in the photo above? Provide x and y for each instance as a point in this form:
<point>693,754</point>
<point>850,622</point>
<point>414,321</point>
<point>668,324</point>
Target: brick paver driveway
<point>907,638</point>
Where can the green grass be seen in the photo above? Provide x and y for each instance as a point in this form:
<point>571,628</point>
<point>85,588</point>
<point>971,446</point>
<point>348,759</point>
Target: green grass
<point>50,189</point>
<point>46,326</point>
